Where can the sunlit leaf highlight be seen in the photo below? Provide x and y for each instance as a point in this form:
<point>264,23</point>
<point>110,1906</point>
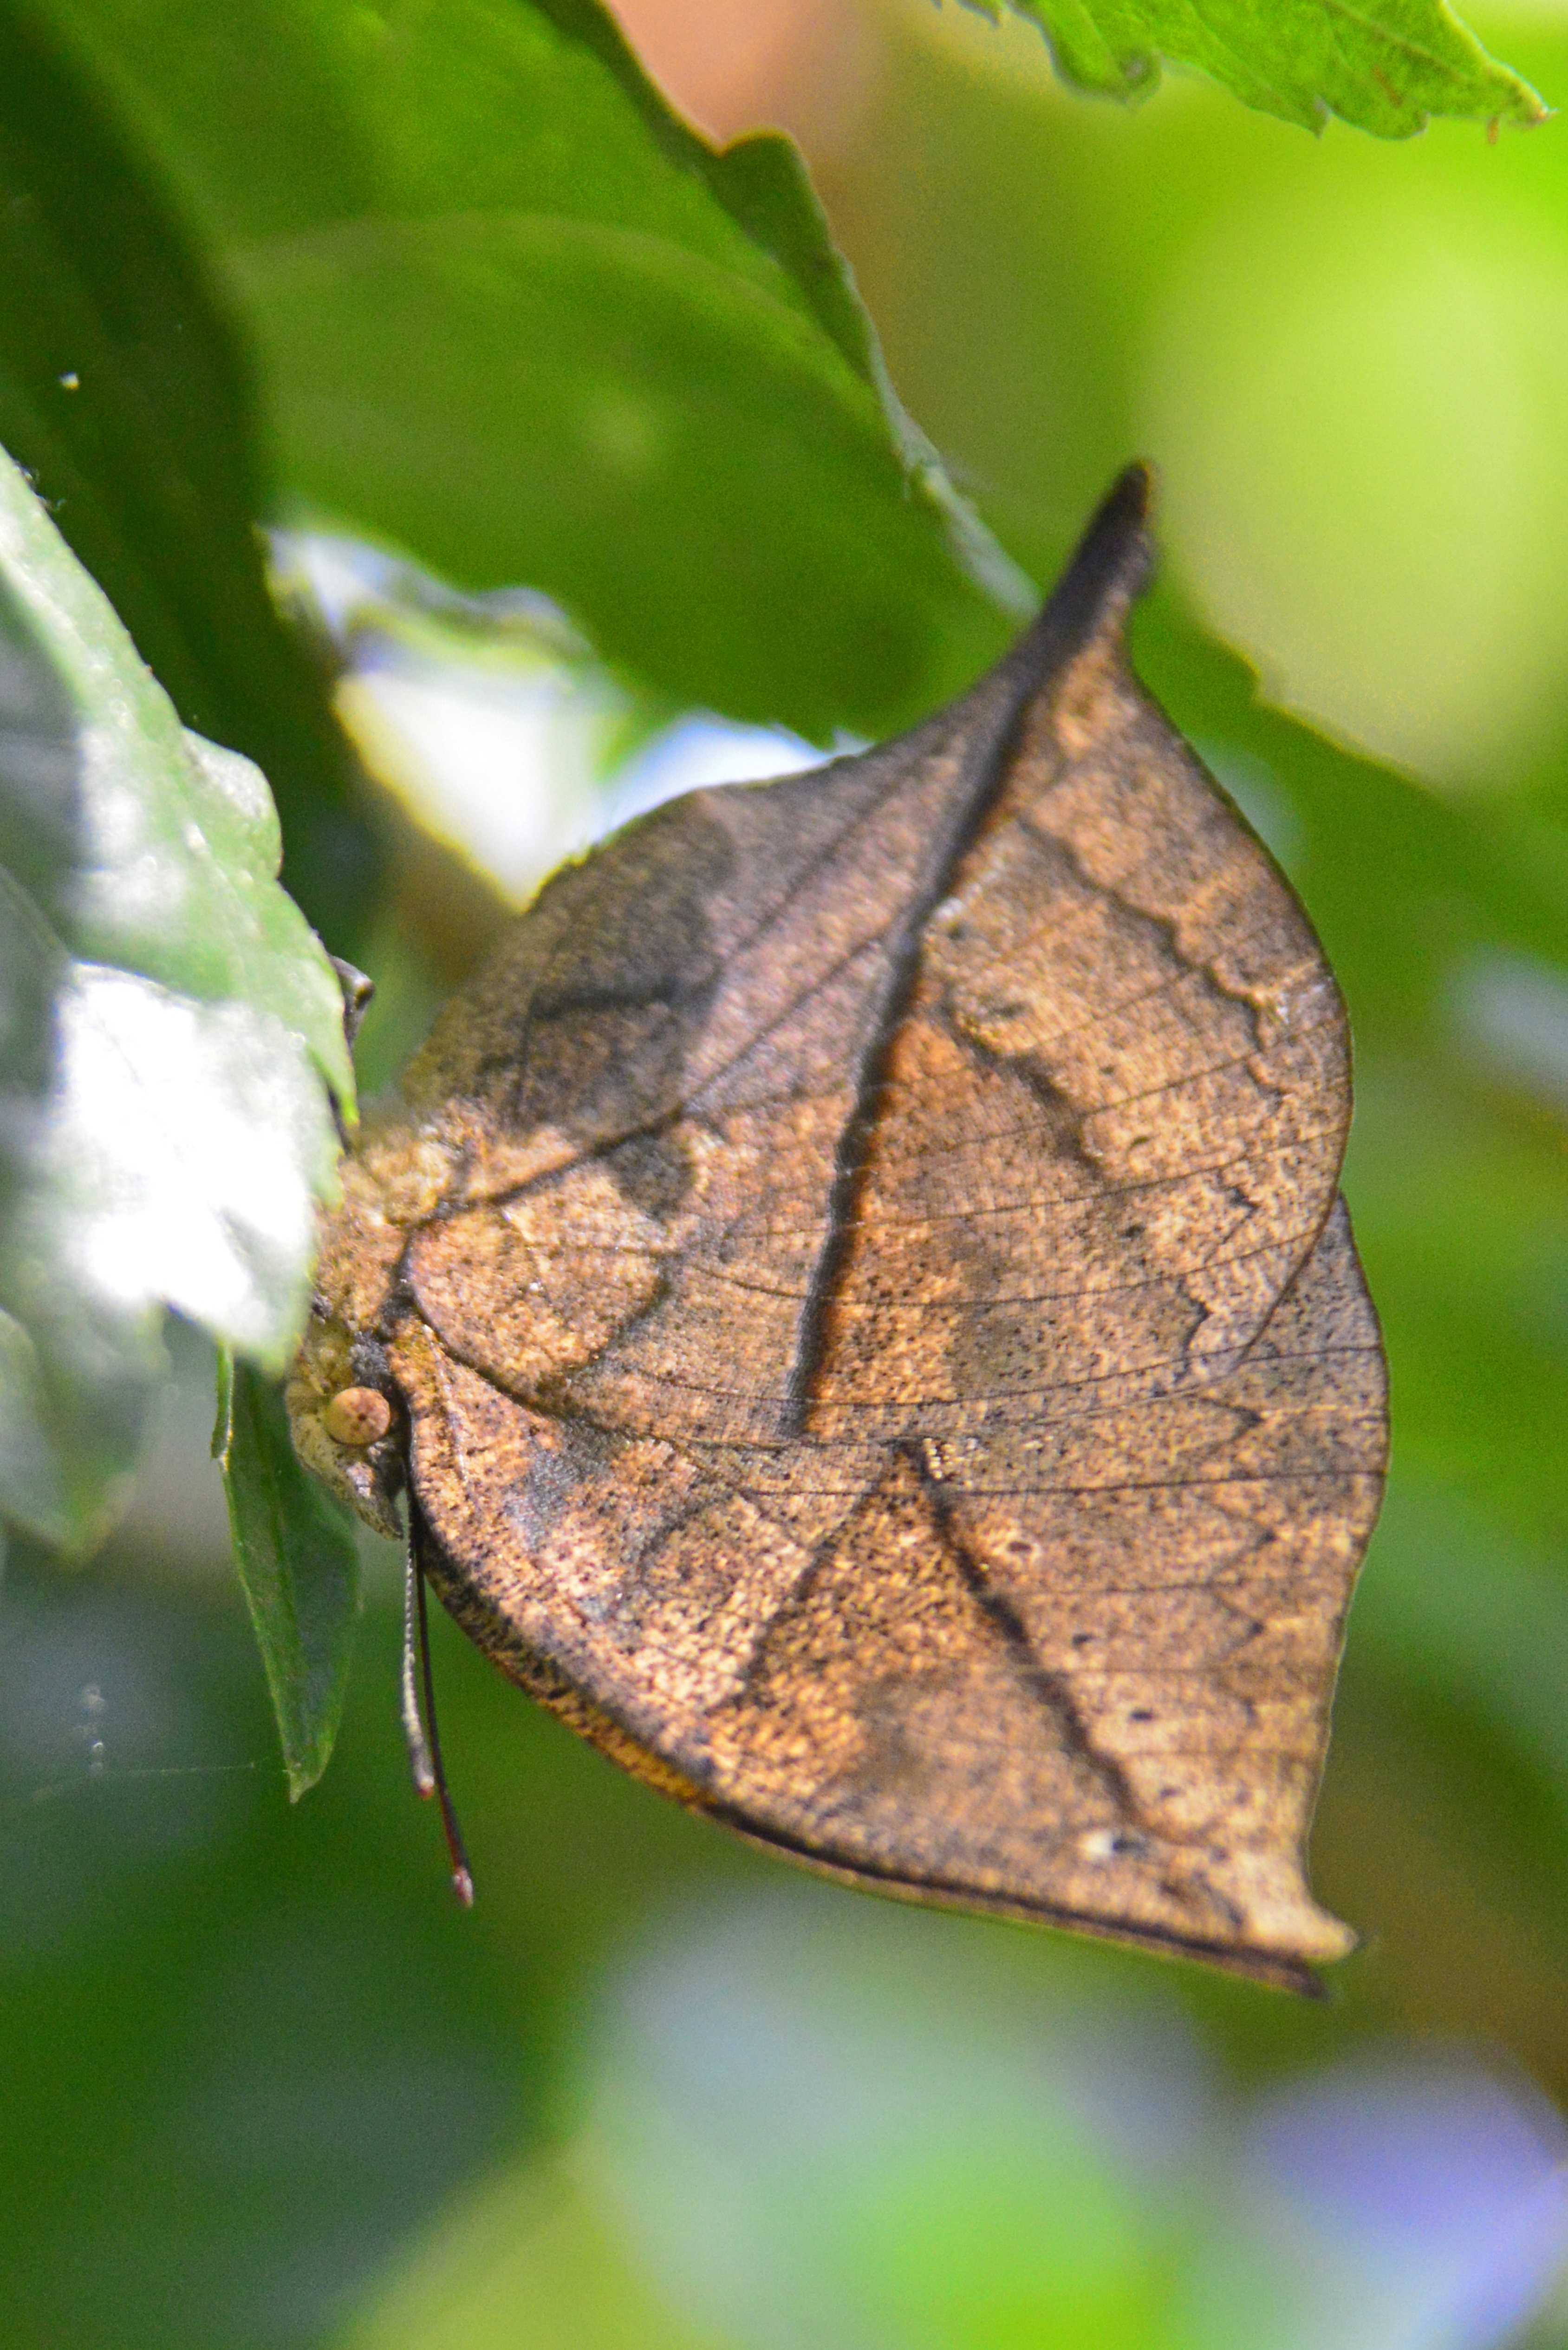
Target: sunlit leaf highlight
<point>170,1044</point>
<point>1388,69</point>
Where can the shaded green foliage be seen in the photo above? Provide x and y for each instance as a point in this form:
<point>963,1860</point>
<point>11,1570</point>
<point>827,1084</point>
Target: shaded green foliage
<point>511,316</point>
<point>125,395</point>
<point>298,1564</point>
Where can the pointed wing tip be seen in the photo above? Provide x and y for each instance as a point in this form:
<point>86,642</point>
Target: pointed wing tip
<point>1129,500</point>
<point>1116,554</point>
<point>1108,570</point>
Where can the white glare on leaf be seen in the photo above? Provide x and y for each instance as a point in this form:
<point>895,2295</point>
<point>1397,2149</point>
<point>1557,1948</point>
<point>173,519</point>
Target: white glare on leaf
<point>189,1141</point>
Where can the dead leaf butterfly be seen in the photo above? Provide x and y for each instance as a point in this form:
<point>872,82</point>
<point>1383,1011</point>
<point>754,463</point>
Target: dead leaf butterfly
<point>869,1329</point>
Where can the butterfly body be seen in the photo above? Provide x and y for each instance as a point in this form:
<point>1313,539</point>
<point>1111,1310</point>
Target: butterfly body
<point>872,1333</point>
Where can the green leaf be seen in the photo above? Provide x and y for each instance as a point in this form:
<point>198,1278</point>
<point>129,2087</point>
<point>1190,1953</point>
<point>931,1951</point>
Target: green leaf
<point>124,394</point>
<point>514,317</point>
<point>1387,66</point>
<point>298,1564</point>
<point>171,1045</point>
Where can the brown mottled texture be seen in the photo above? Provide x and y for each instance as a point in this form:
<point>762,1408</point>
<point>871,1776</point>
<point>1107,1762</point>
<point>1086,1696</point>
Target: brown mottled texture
<point>874,1335</point>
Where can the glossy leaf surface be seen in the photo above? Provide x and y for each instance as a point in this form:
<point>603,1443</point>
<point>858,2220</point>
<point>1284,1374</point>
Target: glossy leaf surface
<point>172,1034</point>
<point>511,314</point>
<point>126,395</point>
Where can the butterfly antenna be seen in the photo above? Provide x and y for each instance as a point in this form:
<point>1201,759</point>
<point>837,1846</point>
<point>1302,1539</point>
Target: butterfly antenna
<point>461,1875</point>
<point>419,1761</point>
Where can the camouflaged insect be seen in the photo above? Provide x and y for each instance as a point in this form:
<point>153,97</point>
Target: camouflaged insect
<point>871,1331</point>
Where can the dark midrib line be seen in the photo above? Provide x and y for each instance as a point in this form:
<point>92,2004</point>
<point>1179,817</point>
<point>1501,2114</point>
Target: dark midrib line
<point>1050,1688</point>
<point>852,1157</point>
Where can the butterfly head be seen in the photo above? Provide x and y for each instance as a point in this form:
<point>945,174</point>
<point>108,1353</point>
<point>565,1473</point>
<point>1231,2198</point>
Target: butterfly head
<point>347,1420</point>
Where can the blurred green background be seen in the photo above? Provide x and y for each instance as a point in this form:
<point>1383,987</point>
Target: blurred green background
<point>260,2083</point>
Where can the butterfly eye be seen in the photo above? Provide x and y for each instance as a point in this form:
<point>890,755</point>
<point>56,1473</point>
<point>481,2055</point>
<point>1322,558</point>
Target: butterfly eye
<point>357,1416</point>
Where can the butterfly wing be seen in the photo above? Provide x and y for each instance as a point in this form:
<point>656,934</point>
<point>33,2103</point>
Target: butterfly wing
<point>888,1351</point>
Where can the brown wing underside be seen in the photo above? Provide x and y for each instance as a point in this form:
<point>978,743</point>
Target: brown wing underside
<point>886,1341</point>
